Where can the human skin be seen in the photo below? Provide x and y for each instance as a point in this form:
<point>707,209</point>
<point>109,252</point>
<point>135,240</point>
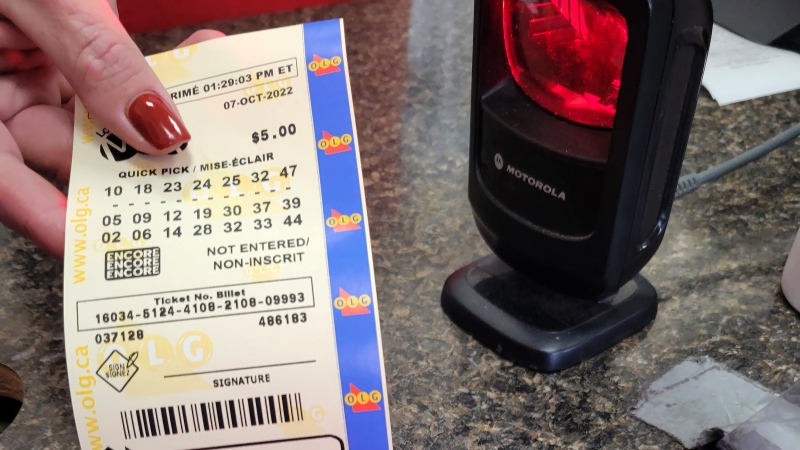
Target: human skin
<point>790,281</point>
<point>50,52</point>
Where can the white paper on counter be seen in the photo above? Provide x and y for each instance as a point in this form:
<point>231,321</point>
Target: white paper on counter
<point>740,70</point>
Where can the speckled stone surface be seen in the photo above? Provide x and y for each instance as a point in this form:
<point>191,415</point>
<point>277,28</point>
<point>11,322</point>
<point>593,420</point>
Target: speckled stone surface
<point>717,273</point>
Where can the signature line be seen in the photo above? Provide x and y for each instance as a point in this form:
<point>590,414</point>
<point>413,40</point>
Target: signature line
<point>240,368</point>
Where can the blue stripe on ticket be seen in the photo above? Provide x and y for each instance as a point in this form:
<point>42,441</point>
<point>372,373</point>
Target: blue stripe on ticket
<point>357,340</point>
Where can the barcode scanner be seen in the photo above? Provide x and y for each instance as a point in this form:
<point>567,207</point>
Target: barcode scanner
<point>581,111</point>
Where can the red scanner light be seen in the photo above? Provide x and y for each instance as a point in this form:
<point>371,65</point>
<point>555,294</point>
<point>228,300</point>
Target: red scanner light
<point>567,55</point>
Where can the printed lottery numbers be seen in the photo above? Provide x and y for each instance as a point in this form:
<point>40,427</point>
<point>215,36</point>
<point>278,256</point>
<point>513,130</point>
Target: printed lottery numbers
<point>202,230</point>
<point>231,181</point>
<point>204,213</point>
<point>199,185</point>
<point>173,216</point>
<point>232,211</point>
<point>112,220</point>
<point>173,187</point>
<point>112,237</point>
<point>141,234</point>
<point>233,227</point>
<point>293,220</point>
<point>293,203</point>
<point>226,186</point>
<point>115,191</point>
<point>173,232</point>
<point>262,224</point>
<point>265,175</point>
<point>142,218</point>
<point>144,188</point>
<point>170,221</point>
<point>261,207</point>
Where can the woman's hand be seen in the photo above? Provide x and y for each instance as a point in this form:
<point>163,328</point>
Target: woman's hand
<point>50,51</point>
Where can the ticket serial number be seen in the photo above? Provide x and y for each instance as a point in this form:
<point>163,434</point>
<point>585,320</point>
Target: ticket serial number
<point>204,303</point>
<point>238,304</point>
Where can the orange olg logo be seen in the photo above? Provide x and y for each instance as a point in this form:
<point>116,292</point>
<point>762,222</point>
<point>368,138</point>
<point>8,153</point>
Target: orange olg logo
<point>350,305</point>
<point>323,66</point>
<point>362,401</point>
<point>343,222</point>
<point>331,144</point>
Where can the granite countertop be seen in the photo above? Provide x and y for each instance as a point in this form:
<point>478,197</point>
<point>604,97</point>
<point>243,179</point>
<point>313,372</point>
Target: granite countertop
<point>717,272</point>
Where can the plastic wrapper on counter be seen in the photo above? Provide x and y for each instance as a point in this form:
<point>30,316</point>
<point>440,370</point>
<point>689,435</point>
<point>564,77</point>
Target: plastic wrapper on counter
<point>776,427</point>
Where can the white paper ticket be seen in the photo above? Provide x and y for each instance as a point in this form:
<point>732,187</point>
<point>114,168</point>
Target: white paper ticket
<point>223,296</point>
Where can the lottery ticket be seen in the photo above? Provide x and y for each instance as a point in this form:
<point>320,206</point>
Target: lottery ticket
<point>223,296</point>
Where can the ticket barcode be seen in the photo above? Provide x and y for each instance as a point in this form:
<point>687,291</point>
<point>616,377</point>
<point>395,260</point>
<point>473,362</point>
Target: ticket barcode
<point>211,416</point>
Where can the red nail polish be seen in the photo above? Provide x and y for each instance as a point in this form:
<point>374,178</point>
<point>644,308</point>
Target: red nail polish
<point>155,121</point>
<point>12,58</point>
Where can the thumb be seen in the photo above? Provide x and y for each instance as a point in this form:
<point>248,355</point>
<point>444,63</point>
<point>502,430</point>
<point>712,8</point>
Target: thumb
<point>108,72</point>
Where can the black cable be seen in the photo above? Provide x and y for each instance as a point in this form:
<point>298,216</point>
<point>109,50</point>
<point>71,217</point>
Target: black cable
<point>692,182</point>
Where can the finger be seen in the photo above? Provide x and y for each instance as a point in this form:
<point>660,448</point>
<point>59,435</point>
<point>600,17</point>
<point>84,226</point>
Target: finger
<point>70,106</point>
<point>12,38</point>
<point>21,90</point>
<point>67,93</point>
<point>201,36</point>
<point>108,72</point>
<point>44,136</point>
<point>29,204</point>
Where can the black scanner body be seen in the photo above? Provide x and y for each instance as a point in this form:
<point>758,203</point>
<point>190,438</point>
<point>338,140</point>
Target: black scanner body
<point>582,209</point>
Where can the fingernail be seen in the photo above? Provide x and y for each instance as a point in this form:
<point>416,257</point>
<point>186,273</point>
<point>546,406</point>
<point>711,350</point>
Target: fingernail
<point>10,59</point>
<point>156,122</point>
